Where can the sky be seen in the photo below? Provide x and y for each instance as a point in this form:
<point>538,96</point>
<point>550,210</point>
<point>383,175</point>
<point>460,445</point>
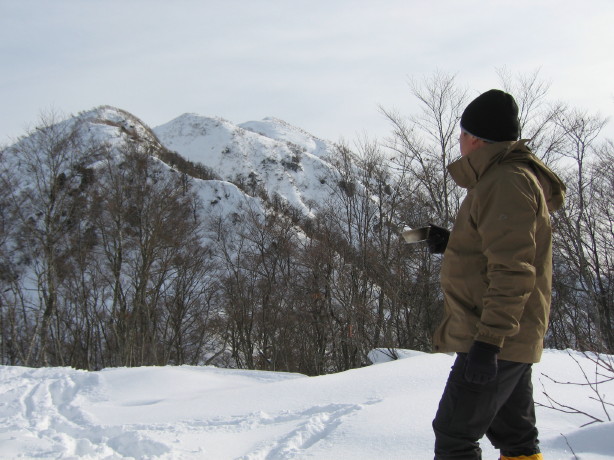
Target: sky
<point>326,66</point>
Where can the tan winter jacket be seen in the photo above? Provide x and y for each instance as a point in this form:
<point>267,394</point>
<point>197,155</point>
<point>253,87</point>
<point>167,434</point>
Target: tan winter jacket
<point>497,268</point>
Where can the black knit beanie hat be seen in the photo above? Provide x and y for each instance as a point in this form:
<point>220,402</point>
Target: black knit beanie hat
<point>492,116</point>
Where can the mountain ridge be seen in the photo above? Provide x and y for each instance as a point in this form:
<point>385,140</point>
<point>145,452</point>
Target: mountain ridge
<point>270,155</point>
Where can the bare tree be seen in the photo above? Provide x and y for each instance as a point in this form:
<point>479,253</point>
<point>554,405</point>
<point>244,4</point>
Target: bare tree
<point>47,186</point>
<point>537,115</point>
<point>602,373</point>
<point>147,218</point>
<point>258,260</point>
<point>584,230</point>
<point>425,144</point>
<point>12,307</point>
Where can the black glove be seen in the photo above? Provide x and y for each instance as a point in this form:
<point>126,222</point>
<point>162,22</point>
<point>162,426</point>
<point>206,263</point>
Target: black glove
<point>437,239</point>
<point>481,366</point>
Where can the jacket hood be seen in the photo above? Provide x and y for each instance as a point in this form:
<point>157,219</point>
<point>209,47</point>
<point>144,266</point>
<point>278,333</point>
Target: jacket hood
<point>468,170</point>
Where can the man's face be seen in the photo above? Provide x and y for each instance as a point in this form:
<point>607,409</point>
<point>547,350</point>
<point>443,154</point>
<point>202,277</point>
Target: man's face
<point>468,143</point>
<point>464,141</point>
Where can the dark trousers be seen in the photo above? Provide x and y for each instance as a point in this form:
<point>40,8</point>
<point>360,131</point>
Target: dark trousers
<point>502,410</point>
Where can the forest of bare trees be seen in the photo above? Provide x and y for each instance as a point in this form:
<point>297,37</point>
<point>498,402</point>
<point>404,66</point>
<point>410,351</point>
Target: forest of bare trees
<point>106,258</point>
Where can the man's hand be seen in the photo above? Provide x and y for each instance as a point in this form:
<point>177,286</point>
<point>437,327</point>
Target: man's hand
<point>481,366</point>
<point>437,239</point>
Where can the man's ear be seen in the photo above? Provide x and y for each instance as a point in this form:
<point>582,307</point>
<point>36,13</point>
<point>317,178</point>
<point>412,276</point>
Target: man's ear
<point>476,142</point>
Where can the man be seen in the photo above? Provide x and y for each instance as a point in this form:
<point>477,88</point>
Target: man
<point>496,279</point>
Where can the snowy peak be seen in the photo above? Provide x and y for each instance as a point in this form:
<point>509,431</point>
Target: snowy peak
<point>81,136</point>
<point>196,137</point>
<point>277,129</point>
<point>107,123</point>
<point>269,156</point>
<point>192,125</point>
<point>269,159</point>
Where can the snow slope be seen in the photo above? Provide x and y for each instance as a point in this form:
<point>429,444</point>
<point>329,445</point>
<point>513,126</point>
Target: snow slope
<point>382,411</point>
<point>282,159</point>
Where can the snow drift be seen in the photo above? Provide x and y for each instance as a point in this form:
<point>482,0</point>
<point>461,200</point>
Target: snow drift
<point>382,411</point>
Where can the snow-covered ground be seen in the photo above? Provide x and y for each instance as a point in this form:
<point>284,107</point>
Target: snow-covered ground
<point>383,411</point>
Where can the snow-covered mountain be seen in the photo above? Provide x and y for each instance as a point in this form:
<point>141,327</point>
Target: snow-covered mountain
<point>255,161</point>
<point>268,155</point>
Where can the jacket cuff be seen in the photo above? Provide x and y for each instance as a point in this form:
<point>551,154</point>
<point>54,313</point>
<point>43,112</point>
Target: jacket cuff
<point>488,347</point>
<point>491,339</point>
